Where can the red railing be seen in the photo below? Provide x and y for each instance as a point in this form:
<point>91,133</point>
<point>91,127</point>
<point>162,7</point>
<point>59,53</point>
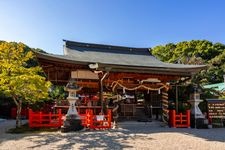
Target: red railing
<point>83,118</point>
<point>179,120</point>
<point>39,119</point>
<point>98,121</point>
<point>24,113</point>
<point>89,120</point>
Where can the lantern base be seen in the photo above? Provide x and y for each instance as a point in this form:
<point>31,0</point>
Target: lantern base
<point>71,123</point>
<point>199,123</point>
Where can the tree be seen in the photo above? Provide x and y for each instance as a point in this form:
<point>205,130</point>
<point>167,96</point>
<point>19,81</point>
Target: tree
<point>17,79</point>
<point>57,93</point>
<point>196,52</point>
<point>184,51</point>
<point>164,53</point>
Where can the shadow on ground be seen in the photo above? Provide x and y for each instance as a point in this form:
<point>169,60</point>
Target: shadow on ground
<point>85,140</point>
<point>109,139</point>
<point>214,134</point>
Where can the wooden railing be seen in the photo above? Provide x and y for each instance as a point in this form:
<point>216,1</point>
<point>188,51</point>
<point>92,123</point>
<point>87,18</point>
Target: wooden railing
<point>99,121</point>
<point>89,120</point>
<point>24,113</point>
<point>179,120</point>
<point>39,119</point>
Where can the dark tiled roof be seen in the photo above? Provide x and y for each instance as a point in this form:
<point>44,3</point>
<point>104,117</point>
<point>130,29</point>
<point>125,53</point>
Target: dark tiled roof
<point>118,58</point>
<point>115,55</point>
<point>85,47</point>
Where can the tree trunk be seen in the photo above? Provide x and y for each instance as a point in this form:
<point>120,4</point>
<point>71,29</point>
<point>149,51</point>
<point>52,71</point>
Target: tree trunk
<point>18,117</point>
<point>18,112</point>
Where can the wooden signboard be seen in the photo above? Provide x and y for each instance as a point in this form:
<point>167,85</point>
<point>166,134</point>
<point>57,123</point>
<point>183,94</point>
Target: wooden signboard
<point>216,108</point>
<point>84,74</point>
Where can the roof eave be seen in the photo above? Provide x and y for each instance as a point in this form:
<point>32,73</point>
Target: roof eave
<point>125,68</point>
<point>155,70</point>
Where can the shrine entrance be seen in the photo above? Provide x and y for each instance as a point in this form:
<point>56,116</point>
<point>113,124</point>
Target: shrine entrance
<point>141,101</point>
<point>153,105</point>
<point>142,106</point>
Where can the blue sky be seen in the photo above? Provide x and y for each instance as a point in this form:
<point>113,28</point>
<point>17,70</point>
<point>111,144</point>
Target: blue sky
<point>135,23</point>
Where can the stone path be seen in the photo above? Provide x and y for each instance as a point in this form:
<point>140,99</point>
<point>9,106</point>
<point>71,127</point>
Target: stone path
<point>134,136</point>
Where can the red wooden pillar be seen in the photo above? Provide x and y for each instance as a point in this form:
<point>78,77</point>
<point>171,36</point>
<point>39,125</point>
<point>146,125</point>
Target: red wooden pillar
<point>91,119</point>
<point>188,113</point>
<point>60,117</point>
<point>109,118</point>
<point>87,118</point>
<point>30,118</point>
<point>173,118</point>
<point>180,119</point>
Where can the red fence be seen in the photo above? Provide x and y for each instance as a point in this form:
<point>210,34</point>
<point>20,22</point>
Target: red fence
<point>24,113</point>
<point>89,120</point>
<point>98,121</point>
<point>39,119</point>
<point>179,120</point>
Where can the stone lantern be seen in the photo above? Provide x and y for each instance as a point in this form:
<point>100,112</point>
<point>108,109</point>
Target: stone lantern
<point>195,110</point>
<point>197,118</point>
<point>72,121</point>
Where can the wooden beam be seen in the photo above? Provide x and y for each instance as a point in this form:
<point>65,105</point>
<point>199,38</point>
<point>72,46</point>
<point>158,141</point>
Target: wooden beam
<point>141,76</point>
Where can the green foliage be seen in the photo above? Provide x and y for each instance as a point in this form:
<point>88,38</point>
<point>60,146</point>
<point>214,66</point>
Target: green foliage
<point>164,52</point>
<point>196,52</point>
<point>184,52</point>
<point>16,78</point>
<point>57,93</point>
<point>44,105</point>
<point>19,79</point>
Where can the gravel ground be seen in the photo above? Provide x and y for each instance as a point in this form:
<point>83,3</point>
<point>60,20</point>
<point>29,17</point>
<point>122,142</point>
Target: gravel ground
<point>135,136</point>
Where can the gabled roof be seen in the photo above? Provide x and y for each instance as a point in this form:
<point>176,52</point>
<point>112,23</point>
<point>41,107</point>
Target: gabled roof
<point>119,58</point>
<point>101,48</point>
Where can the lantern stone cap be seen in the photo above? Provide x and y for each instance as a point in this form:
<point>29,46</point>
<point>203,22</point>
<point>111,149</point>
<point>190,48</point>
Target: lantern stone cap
<point>72,86</point>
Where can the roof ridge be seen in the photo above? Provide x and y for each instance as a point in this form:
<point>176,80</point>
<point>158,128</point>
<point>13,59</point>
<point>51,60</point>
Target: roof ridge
<point>103,46</point>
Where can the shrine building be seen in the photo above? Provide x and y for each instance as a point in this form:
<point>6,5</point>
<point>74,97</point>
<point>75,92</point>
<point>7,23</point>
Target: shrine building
<point>128,79</point>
